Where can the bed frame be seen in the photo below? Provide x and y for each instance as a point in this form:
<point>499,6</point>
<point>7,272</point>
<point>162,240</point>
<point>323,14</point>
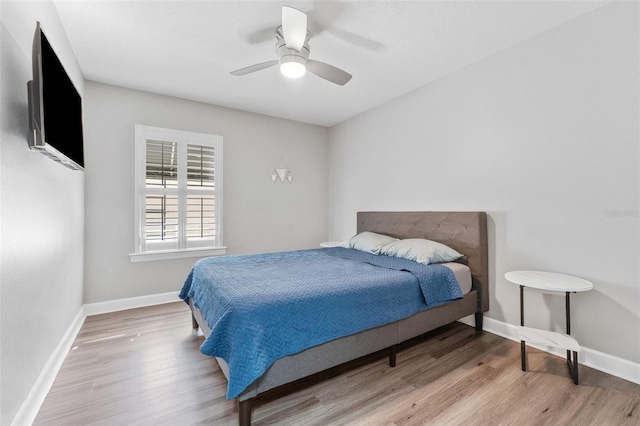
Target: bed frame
<point>466,232</point>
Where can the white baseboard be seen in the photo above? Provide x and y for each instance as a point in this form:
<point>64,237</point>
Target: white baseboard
<point>130,303</point>
<point>619,367</point>
<point>30,407</point>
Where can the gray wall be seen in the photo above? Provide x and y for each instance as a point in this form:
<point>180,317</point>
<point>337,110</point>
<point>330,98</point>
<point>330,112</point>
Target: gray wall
<point>544,136</point>
<point>259,215</point>
<point>41,216</point>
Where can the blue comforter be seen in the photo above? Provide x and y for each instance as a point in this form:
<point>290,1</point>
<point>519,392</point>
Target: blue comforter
<point>263,307</point>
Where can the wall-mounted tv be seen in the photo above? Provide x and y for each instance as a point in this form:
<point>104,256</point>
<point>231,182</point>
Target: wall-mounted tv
<point>55,107</point>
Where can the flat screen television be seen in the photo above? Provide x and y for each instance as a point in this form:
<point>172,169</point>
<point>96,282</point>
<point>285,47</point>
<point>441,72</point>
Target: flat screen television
<point>55,107</point>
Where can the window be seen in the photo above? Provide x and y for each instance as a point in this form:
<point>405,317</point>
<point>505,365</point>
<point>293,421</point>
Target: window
<point>178,194</point>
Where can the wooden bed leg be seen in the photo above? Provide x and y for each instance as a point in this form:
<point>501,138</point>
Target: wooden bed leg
<point>244,412</point>
<point>194,323</point>
<point>479,317</point>
<point>392,355</point>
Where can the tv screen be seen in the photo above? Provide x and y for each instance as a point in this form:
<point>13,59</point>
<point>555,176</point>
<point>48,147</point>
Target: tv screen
<point>57,107</point>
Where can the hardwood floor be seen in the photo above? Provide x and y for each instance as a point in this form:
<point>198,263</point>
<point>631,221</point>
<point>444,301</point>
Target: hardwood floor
<point>143,367</point>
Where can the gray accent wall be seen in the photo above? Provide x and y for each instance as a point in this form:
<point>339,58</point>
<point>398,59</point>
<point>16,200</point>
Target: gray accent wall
<point>544,136</point>
<point>41,216</point>
<point>259,215</point>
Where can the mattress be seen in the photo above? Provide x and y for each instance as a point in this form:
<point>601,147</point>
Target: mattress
<point>462,274</point>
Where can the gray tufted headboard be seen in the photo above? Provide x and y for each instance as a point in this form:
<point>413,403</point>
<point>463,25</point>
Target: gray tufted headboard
<point>466,232</point>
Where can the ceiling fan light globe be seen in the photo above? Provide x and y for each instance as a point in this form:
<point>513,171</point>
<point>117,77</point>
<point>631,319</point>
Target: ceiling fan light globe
<point>292,69</point>
<point>292,66</point>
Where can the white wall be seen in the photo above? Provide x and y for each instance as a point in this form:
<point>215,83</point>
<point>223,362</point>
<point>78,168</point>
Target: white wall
<point>259,215</point>
<point>544,137</point>
<point>41,216</point>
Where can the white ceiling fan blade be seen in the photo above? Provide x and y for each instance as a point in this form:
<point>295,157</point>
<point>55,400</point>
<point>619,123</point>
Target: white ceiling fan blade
<point>254,68</point>
<point>294,27</point>
<point>328,72</point>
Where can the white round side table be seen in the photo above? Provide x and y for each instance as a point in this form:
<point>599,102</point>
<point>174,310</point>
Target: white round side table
<point>549,281</point>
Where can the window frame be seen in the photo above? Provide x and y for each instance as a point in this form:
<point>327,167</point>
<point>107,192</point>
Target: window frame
<point>181,248</point>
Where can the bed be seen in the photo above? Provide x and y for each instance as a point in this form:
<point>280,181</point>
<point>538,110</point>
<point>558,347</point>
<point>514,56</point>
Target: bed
<point>465,232</point>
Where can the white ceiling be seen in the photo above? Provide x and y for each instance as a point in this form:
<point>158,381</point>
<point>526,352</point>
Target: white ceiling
<point>187,48</point>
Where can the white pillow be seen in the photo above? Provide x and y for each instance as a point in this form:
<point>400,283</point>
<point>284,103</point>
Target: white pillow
<point>370,241</point>
<point>421,251</point>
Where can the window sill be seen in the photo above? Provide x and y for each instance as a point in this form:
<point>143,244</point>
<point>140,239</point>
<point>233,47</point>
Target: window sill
<point>152,256</point>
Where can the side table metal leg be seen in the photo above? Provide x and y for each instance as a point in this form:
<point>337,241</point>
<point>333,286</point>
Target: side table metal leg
<point>573,364</point>
<point>523,346</point>
<point>568,313</point>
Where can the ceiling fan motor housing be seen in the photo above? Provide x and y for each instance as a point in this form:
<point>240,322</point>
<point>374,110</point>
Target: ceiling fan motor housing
<point>291,55</point>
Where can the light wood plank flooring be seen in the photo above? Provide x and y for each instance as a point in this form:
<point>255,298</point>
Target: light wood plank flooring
<point>143,367</point>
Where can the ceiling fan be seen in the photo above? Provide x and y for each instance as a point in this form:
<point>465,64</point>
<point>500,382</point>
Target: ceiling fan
<point>292,48</point>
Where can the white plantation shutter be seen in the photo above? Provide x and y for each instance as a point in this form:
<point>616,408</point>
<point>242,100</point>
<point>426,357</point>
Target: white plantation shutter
<point>161,207</point>
<point>178,190</point>
<point>201,199</point>
<point>161,164</point>
<point>161,218</point>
